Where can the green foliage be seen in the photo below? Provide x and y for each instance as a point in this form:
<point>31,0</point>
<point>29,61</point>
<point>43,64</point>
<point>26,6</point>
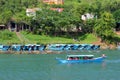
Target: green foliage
<point>49,22</point>
<point>87,38</point>
<point>116,14</point>
<point>8,37</point>
<point>43,39</point>
<point>104,27</point>
<point>88,26</point>
<point>52,21</point>
<point>5,17</point>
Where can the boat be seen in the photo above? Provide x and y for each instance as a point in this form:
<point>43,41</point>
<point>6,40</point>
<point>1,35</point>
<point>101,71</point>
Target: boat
<point>118,46</point>
<point>33,47</point>
<point>56,47</point>
<point>5,48</point>
<point>81,59</point>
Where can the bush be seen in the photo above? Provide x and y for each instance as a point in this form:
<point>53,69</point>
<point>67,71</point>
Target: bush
<point>6,35</point>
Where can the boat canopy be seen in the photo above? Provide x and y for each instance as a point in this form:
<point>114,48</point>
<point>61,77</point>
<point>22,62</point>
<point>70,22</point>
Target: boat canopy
<point>80,55</point>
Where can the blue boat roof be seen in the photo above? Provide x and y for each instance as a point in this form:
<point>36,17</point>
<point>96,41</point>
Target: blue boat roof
<point>57,45</point>
<point>80,55</point>
<point>16,45</point>
<point>83,44</point>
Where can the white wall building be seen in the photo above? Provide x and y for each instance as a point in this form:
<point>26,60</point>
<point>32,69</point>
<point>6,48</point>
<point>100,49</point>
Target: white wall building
<point>31,11</point>
<point>87,16</point>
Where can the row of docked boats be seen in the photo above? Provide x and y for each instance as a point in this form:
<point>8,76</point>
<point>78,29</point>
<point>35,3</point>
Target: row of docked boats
<point>53,47</point>
<point>28,47</point>
<point>73,47</point>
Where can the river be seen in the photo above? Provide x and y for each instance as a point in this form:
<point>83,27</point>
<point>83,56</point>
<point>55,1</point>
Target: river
<point>45,67</point>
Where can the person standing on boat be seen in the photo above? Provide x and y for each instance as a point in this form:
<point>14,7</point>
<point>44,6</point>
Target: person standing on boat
<point>103,55</point>
<point>30,49</point>
<point>69,58</point>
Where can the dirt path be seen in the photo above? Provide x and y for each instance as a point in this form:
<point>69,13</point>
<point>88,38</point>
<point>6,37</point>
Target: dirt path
<point>118,33</point>
<point>22,38</point>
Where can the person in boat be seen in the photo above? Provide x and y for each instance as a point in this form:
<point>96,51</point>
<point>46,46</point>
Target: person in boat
<point>103,55</point>
<point>72,58</point>
<point>76,58</point>
<point>69,58</point>
<point>85,58</point>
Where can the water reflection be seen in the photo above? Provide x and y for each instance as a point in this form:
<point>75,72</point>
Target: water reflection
<point>113,61</point>
<point>104,65</point>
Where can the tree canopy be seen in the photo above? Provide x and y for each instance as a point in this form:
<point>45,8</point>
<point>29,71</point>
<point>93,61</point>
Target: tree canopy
<point>48,21</point>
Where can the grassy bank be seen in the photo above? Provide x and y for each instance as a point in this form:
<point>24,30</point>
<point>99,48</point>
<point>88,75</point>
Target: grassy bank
<point>43,39</point>
<point>7,37</point>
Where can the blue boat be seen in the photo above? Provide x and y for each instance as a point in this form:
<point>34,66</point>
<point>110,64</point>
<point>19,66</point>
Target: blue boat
<point>68,47</point>
<point>56,47</point>
<point>95,47</point>
<point>118,47</point>
<point>71,46</point>
<point>5,48</point>
<point>81,59</point>
<point>40,47</point>
<point>89,47</point>
<point>75,46</point>
<point>82,46</point>
<point>33,47</point>
<point>1,47</point>
<point>16,47</point>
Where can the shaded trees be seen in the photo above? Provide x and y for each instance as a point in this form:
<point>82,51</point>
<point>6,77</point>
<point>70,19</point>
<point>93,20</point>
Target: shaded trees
<point>104,27</point>
<point>49,22</point>
<point>53,21</point>
<point>116,15</point>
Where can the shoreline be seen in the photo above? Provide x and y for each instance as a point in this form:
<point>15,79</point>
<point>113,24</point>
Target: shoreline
<point>47,51</point>
<point>31,52</point>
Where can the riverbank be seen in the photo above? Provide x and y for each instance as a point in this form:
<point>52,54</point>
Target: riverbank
<point>53,52</point>
<point>31,52</point>
<point>22,38</point>
<point>105,46</point>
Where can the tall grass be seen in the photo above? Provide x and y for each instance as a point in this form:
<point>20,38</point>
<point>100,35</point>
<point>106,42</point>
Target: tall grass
<point>88,38</point>
<point>44,39</point>
<point>7,37</point>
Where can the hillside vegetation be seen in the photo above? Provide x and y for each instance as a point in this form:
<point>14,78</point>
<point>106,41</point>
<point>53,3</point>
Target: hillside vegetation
<point>7,37</point>
<point>49,25</point>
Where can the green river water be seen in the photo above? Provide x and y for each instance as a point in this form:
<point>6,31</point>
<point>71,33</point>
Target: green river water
<point>45,67</point>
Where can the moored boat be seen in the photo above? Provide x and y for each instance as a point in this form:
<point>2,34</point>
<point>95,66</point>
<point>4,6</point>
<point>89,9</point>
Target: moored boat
<point>56,47</point>
<point>81,59</point>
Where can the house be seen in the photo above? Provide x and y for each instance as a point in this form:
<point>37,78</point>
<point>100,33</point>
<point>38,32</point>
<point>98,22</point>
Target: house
<point>87,16</point>
<point>54,1</point>
<point>31,11</point>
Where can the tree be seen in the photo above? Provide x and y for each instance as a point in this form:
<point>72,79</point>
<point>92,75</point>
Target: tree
<point>116,15</point>
<point>5,17</point>
<point>104,27</point>
<point>88,26</point>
